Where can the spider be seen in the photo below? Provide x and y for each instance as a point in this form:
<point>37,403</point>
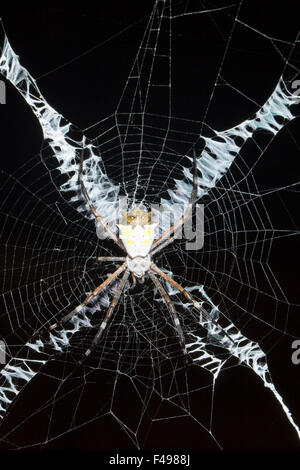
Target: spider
<point>137,239</point>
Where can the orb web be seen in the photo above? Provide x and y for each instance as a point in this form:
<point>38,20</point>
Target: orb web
<point>137,389</point>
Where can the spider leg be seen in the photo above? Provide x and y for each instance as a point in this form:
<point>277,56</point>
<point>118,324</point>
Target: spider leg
<point>98,217</point>
<point>172,310</point>
<point>108,313</point>
<point>196,304</point>
<point>90,297</point>
<point>111,258</point>
<point>182,219</point>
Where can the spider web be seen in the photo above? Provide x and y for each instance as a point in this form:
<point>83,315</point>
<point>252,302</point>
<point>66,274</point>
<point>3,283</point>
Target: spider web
<point>214,78</point>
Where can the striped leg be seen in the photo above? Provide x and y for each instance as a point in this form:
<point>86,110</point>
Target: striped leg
<point>108,313</point>
<point>196,304</point>
<point>90,297</point>
<point>111,258</point>
<point>172,310</point>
